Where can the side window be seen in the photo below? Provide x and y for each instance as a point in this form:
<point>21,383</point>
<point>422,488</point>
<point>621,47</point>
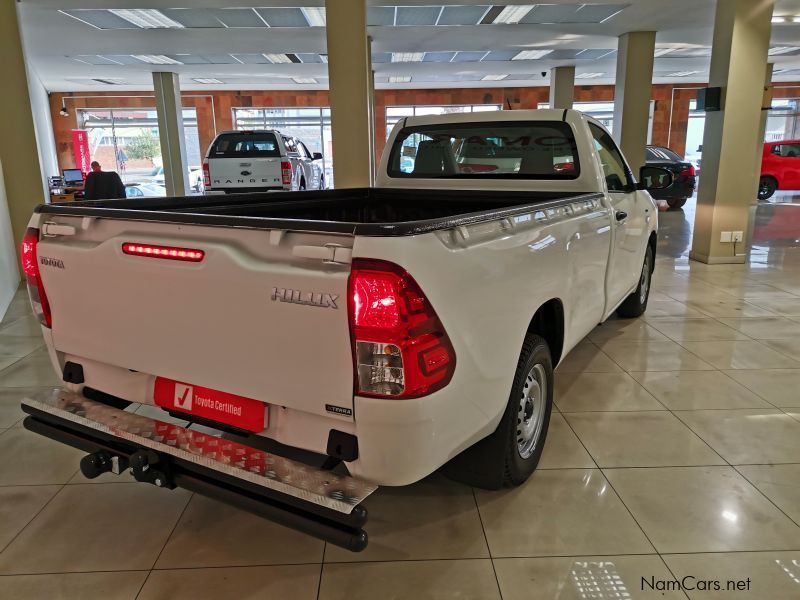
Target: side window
<point>790,150</point>
<point>290,145</point>
<point>616,174</point>
<point>301,148</point>
<point>776,150</point>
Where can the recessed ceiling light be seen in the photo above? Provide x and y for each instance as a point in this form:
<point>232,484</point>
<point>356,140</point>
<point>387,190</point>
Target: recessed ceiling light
<point>663,51</point>
<point>146,18</point>
<point>513,13</point>
<point>494,77</point>
<point>315,15</point>
<point>683,73</point>
<point>531,54</point>
<point>399,78</point>
<point>207,80</point>
<point>156,59</point>
<point>407,56</point>
<point>588,75</point>
<point>305,80</point>
<point>782,50</point>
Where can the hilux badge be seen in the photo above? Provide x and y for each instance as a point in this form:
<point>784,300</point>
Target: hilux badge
<point>305,298</point>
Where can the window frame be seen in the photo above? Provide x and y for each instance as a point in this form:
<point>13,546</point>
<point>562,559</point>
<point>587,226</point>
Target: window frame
<point>630,182</point>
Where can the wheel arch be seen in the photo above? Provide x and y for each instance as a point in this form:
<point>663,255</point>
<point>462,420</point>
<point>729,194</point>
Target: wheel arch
<point>548,322</point>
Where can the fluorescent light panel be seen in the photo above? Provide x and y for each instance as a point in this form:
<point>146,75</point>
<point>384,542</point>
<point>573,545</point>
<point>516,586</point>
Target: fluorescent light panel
<point>683,73</point>
<point>110,80</point>
<point>304,80</point>
<point>663,51</point>
<point>783,19</point>
<point>206,80</point>
<point>512,13</point>
<point>494,77</point>
<point>146,18</point>
<point>531,54</point>
<point>278,58</point>
<point>156,59</point>
<point>588,75</point>
<point>407,56</point>
<point>399,78</point>
<point>315,15</point>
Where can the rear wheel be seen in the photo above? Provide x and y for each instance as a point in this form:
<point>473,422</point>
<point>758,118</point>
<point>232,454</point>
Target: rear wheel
<point>676,203</point>
<point>302,185</point>
<point>321,183</point>
<point>508,456</point>
<point>766,187</point>
<point>636,303</point>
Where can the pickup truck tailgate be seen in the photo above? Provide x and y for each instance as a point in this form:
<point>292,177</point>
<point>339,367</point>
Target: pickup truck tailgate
<point>263,315</point>
<point>246,173</point>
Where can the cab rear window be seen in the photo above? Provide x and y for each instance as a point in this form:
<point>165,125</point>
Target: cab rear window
<point>245,145</point>
<point>500,150</point>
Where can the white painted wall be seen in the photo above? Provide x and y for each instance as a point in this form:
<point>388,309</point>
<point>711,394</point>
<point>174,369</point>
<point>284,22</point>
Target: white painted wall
<point>9,274</point>
<point>43,125</point>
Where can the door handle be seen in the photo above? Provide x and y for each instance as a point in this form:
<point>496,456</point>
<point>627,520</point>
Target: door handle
<point>621,215</point>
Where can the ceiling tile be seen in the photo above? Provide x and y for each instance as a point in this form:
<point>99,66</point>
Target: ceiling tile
<point>462,15</point>
<point>380,16</point>
<point>438,56</point>
<point>309,58</point>
<point>100,18</point>
<point>468,56</point>
<point>381,57</point>
<point>571,13</point>
<point>417,15</point>
<point>193,17</point>
<point>283,17</point>
<point>252,59</point>
<point>94,59</point>
<point>238,17</point>
<point>500,55</point>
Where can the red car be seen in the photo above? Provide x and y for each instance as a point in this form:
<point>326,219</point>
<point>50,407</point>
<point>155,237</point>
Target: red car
<point>780,168</point>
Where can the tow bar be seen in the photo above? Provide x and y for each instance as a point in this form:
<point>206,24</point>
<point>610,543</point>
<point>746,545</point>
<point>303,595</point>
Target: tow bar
<point>314,501</point>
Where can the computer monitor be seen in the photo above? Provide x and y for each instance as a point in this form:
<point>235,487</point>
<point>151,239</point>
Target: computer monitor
<point>73,176</point>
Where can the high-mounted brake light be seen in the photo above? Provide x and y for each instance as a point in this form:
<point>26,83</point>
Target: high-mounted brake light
<point>30,268</point>
<point>286,172</point>
<point>206,175</point>
<point>168,252</point>
<point>400,347</point>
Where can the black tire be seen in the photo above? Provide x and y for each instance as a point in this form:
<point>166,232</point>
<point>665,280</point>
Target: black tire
<point>635,304</point>
<point>676,203</point>
<point>302,186</point>
<point>321,182</point>
<point>502,459</point>
<point>766,187</point>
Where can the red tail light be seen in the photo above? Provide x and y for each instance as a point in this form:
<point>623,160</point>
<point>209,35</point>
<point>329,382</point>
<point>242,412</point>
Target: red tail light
<point>688,171</point>
<point>168,252</point>
<point>206,176</point>
<point>30,268</point>
<point>286,172</point>
<point>400,347</point>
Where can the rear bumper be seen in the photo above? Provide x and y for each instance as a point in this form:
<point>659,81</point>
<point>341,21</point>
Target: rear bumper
<point>314,501</point>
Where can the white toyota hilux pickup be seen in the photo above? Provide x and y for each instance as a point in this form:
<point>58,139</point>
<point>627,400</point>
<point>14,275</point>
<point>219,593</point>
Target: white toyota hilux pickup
<point>288,353</point>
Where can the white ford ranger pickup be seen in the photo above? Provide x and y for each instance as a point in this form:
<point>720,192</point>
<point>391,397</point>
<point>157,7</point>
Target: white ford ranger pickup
<point>288,353</point>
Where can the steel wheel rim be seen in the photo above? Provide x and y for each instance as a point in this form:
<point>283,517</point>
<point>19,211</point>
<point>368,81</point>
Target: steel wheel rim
<point>644,283</point>
<point>531,410</point>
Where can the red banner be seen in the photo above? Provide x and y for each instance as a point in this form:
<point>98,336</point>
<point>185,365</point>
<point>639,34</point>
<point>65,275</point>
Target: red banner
<point>80,150</point>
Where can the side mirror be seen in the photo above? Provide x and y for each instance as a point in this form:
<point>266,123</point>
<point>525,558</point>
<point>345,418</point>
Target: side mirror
<point>317,156</point>
<point>654,178</point>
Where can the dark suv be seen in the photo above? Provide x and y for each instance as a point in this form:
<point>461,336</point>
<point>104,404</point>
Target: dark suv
<point>684,176</point>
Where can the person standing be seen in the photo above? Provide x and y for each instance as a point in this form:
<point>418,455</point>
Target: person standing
<point>103,185</point>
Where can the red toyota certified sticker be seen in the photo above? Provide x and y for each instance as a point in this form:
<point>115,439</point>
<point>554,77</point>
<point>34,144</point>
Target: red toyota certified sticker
<point>244,413</point>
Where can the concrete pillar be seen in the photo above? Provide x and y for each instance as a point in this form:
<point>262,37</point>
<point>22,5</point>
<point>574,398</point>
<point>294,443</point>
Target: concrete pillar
<point>632,94</point>
<point>22,174</point>
<point>562,87</point>
<point>170,131</point>
<point>348,72</point>
<point>733,136</point>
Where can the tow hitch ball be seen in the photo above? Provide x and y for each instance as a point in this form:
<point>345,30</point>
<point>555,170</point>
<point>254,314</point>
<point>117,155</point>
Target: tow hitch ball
<point>145,466</point>
<point>148,467</point>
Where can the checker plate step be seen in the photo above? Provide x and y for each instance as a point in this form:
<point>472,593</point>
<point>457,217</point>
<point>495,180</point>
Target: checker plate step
<point>324,488</point>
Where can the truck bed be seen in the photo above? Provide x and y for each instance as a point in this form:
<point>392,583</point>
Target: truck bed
<point>359,211</point>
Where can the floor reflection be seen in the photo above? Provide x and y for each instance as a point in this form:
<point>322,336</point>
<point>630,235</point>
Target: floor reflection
<point>776,227</point>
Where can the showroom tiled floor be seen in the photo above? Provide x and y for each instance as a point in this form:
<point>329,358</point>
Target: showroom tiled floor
<point>674,450</point>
